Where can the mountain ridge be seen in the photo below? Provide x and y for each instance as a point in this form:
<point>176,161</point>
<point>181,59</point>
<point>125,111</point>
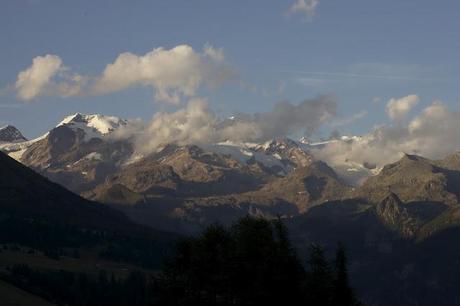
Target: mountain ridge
<point>279,176</point>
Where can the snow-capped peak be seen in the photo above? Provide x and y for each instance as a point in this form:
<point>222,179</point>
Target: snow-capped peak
<point>278,144</point>
<point>93,125</point>
<point>281,154</point>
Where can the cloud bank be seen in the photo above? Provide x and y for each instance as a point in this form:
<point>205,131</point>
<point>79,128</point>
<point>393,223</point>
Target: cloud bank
<point>434,133</point>
<point>172,74</point>
<point>197,123</point>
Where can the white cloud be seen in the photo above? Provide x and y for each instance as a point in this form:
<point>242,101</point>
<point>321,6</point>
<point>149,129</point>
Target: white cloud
<point>196,123</point>
<point>397,109</point>
<point>434,133</point>
<point>306,7</point>
<point>47,76</point>
<point>213,53</point>
<point>192,124</point>
<point>173,74</point>
<point>35,80</point>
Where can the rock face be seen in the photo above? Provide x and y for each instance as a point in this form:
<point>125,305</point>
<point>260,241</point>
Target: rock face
<point>11,134</point>
<point>393,214</point>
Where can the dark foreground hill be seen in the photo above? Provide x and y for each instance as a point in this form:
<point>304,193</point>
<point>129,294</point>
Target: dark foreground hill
<point>48,228</point>
<point>26,193</point>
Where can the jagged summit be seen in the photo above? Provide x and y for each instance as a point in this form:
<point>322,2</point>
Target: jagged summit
<point>10,133</point>
<point>281,155</point>
<point>95,122</point>
<point>278,156</point>
<point>278,144</point>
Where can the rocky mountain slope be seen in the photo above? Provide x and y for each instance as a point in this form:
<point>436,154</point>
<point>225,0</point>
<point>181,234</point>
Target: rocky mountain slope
<point>414,178</point>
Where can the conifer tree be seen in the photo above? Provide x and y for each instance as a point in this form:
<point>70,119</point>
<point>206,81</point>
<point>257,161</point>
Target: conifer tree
<point>320,279</point>
<point>343,294</point>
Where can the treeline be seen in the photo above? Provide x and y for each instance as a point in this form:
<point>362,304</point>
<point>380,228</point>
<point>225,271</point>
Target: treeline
<point>250,263</point>
<point>253,263</point>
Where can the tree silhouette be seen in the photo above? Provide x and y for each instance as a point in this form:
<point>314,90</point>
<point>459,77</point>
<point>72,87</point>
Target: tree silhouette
<point>319,280</point>
<point>250,263</point>
<point>343,293</point>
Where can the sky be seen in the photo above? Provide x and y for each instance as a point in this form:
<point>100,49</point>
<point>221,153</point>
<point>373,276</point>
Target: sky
<point>382,61</point>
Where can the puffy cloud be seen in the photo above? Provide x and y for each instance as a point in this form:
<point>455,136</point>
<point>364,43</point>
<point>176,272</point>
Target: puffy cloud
<point>397,109</point>
<point>47,76</point>
<point>306,7</point>
<point>35,80</point>
<point>197,123</point>
<point>434,133</point>
<point>193,124</point>
<point>173,74</point>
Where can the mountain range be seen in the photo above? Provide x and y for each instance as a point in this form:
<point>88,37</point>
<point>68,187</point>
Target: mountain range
<point>279,176</point>
<point>196,184</point>
<point>401,222</point>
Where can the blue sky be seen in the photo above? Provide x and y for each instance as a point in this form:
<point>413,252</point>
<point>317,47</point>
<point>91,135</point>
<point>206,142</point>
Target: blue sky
<point>362,52</point>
